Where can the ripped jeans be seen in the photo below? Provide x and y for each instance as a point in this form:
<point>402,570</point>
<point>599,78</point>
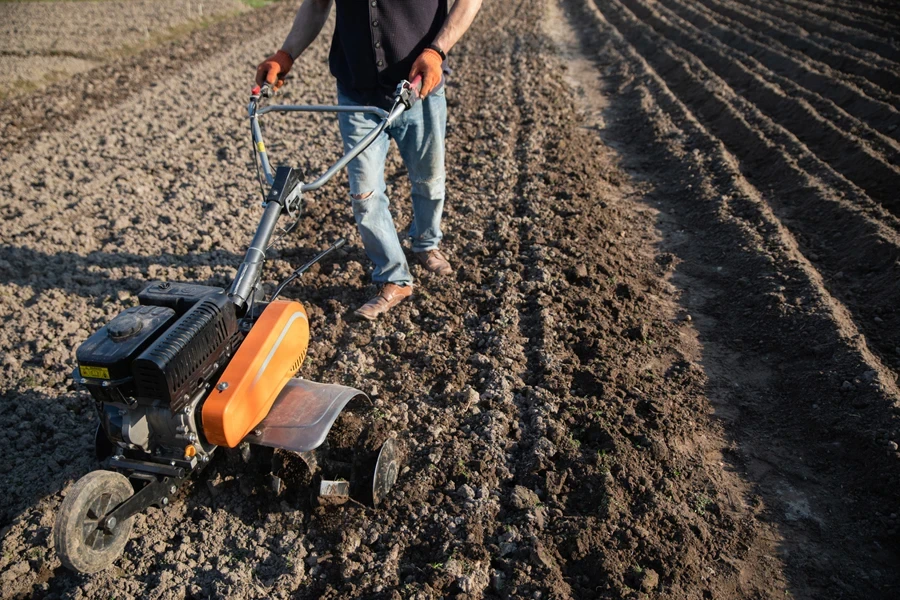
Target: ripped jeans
<point>419,134</point>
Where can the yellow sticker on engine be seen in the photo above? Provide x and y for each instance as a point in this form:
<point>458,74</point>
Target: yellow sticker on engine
<point>94,372</point>
<point>260,146</point>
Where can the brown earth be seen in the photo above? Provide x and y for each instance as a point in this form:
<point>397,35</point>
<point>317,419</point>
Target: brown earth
<point>44,42</point>
<point>664,368</point>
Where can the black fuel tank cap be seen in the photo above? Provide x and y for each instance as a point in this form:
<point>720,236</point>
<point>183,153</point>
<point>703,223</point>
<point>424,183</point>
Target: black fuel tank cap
<point>124,326</point>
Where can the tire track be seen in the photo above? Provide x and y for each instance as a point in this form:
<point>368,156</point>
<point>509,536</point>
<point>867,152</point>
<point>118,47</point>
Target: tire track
<point>869,165</point>
<point>855,95</point>
<point>842,59</point>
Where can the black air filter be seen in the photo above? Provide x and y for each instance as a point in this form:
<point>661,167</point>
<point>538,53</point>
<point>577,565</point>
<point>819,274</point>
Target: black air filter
<point>188,354</point>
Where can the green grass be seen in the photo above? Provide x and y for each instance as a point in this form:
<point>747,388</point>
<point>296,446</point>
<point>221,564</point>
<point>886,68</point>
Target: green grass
<point>463,469</point>
<point>258,3</point>
<point>700,504</point>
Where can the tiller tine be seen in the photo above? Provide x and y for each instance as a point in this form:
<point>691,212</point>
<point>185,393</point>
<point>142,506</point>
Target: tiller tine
<point>301,419</point>
<point>386,470</point>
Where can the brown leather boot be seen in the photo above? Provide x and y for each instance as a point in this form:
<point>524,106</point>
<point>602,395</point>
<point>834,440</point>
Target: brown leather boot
<point>434,261</point>
<point>389,297</point>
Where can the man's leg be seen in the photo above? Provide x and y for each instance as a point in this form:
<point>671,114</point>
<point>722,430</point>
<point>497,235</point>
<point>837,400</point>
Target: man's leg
<point>420,137</point>
<point>370,201</point>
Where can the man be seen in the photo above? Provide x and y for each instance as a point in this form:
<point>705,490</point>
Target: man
<point>376,44</point>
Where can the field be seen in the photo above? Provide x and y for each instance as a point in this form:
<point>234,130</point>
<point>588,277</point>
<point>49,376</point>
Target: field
<point>45,42</point>
<point>665,366</point>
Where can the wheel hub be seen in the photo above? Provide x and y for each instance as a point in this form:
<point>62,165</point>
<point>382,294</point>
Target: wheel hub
<point>98,530</point>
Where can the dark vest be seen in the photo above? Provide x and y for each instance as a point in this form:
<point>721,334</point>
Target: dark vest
<point>376,42</point>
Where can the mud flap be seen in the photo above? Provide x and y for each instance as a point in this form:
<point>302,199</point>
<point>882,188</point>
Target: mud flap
<point>302,415</point>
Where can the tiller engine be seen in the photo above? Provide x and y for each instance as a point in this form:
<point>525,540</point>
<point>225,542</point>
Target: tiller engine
<point>195,367</point>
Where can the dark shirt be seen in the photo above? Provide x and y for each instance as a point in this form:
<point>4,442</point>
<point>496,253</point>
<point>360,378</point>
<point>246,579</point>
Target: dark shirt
<point>376,42</point>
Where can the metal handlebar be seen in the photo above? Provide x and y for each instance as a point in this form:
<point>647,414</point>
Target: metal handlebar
<point>407,94</point>
<point>405,97</point>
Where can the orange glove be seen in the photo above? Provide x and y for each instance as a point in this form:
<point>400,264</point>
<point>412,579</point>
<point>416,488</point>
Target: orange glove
<point>273,69</point>
<point>428,65</point>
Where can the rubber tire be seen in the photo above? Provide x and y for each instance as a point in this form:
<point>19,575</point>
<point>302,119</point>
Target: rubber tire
<point>68,537</point>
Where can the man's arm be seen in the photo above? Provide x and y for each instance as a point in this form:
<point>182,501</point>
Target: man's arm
<point>461,15</point>
<point>307,25</point>
<point>428,64</point>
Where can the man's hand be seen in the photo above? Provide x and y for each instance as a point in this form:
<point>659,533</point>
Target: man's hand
<point>428,65</point>
<point>273,69</point>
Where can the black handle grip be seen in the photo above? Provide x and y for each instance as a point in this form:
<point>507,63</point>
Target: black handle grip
<point>409,92</point>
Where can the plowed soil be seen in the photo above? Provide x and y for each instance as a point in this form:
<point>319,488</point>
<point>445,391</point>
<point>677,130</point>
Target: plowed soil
<point>666,363</point>
<point>43,42</point>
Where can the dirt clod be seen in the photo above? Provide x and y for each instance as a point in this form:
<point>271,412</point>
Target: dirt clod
<point>522,498</point>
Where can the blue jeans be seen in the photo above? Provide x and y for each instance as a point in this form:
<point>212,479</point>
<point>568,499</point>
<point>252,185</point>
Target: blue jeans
<point>419,134</point>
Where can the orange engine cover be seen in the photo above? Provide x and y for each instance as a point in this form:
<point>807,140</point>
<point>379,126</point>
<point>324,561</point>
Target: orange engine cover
<point>271,354</point>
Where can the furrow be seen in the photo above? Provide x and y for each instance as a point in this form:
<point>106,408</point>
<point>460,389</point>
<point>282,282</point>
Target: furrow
<point>870,167</point>
<point>857,96</point>
<point>877,25</point>
<point>888,7</point>
<point>870,67</point>
<point>507,356</point>
<point>828,30</point>
<point>522,320</point>
<point>599,344</point>
<point>713,215</point>
<point>489,418</point>
<point>15,53</point>
<point>838,223</point>
<point>835,38</point>
<point>879,11</point>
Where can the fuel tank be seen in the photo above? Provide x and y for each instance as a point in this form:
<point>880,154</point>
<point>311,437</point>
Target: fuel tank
<point>269,357</point>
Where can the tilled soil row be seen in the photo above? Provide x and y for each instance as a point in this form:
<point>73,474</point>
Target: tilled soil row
<point>855,95</point>
<point>840,56</point>
<point>553,396</point>
<point>856,16</point>
<point>557,444</point>
<point>879,12</point>
<point>778,344</point>
<point>864,157</point>
<point>92,29</point>
<point>24,118</point>
<point>834,25</point>
<point>839,227</point>
<point>43,42</point>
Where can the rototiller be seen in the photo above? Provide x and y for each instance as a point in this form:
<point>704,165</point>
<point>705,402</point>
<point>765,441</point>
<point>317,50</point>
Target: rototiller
<point>195,367</point>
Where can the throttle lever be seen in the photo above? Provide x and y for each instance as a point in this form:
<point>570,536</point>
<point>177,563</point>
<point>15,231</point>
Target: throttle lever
<point>409,92</point>
<point>264,91</point>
